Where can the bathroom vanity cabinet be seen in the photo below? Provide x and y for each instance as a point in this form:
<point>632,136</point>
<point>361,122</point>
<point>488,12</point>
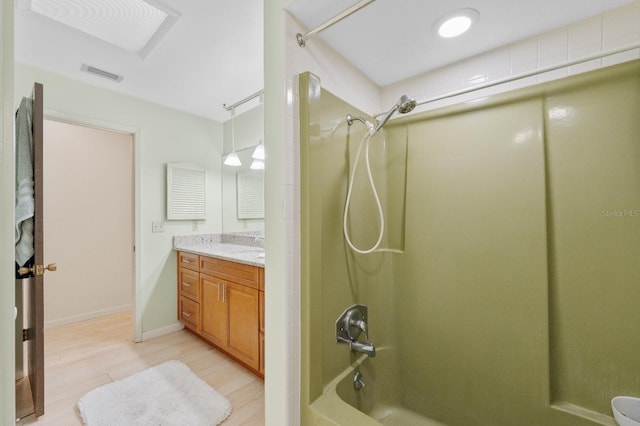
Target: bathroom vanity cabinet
<point>223,303</point>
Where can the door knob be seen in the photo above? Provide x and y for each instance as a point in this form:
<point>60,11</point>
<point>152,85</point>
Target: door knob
<point>38,269</point>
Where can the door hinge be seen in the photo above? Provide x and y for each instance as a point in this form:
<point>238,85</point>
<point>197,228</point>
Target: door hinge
<point>27,334</point>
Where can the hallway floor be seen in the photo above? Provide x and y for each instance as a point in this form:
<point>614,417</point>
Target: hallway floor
<point>82,356</point>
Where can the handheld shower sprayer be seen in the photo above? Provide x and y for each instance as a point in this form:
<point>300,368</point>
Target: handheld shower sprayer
<point>404,105</point>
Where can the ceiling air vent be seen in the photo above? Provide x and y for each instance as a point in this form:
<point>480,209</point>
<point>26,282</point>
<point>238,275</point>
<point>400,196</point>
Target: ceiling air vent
<point>102,73</point>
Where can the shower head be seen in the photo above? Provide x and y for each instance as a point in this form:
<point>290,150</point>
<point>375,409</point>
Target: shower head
<point>406,104</point>
<point>403,106</point>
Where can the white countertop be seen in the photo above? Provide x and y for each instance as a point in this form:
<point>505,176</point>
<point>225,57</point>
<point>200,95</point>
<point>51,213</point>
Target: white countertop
<point>213,245</point>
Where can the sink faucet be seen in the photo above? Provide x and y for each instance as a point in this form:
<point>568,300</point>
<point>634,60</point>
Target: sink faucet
<point>350,325</point>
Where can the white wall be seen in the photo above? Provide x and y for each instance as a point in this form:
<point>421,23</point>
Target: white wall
<point>88,220</point>
<point>7,237</point>
<point>247,129</point>
<point>162,135</point>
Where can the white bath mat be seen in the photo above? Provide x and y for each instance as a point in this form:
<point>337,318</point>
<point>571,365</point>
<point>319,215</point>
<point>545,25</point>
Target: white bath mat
<point>167,394</point>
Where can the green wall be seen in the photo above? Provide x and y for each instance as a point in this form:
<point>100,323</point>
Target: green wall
<point>474,270</point>
<point>516,298</point>
<point>333,277</point>
<point>594,240</point>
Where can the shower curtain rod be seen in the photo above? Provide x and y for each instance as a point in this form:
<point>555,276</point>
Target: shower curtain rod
<point>247,99</point>
<point>531,73</point>
<point>302,38</point>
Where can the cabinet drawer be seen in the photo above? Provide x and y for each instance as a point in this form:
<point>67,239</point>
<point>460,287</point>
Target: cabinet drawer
<point>189,284</point>
<point>188,261</point>
<point>230,271</point>
<point>190,314</point>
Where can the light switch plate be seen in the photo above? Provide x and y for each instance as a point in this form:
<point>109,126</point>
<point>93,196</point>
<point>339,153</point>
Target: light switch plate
<point>157,227</point>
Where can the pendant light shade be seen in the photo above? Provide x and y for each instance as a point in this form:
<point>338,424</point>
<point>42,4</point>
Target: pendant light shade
<point>257,164</point>
<point>258,153</point>
<point>232,160</point>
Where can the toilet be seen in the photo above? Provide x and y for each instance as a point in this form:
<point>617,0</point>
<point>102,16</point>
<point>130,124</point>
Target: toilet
<point>626,410</point>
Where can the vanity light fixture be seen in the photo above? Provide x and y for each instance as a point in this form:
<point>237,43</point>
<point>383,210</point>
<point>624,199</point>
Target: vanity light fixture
<point>455,23</point>
<point>233,159</point>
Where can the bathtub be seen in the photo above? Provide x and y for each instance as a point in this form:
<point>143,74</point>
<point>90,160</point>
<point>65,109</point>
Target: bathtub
<point>378,402</point>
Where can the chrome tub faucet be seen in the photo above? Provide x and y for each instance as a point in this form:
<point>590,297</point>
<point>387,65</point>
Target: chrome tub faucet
<point>350,325</point>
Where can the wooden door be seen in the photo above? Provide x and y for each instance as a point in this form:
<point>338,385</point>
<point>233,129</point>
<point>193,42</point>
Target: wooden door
<point>243,342</point>
<point>214,310</point>
<point>36,344</point>
<point>33,304</point>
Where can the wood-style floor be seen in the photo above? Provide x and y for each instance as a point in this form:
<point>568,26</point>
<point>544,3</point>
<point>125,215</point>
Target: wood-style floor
<point>80,357</point>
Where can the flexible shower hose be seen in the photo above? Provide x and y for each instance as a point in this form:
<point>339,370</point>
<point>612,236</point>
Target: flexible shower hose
<point>363,142</point>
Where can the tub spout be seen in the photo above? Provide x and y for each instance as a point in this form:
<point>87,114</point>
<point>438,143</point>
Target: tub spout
<point>365,348</point>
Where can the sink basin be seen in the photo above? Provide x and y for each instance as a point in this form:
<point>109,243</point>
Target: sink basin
<point>626,410</point>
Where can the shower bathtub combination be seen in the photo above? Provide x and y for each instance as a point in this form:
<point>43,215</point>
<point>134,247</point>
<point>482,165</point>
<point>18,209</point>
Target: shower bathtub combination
<point>494,244</point>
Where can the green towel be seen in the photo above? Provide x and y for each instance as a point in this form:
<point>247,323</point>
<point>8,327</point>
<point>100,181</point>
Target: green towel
<point>25,202</point>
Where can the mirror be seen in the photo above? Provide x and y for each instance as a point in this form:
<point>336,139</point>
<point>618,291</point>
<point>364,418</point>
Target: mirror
<point>243,187</point>
<point>242,195</point>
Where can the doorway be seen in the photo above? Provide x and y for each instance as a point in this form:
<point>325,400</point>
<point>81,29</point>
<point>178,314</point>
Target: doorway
<point>89,221</point>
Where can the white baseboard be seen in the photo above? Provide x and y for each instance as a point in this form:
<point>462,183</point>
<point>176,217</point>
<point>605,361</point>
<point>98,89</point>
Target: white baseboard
<point>87,316</point>
<point>157,332</point>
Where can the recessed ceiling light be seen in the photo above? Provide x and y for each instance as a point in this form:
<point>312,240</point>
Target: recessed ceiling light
<point>133,25</point>
<point>455,23</point>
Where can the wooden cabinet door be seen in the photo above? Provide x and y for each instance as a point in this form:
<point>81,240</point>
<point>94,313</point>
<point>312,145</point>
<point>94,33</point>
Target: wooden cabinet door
<point>214,310</point>
<point>262,353</point>
<point>243,340</point>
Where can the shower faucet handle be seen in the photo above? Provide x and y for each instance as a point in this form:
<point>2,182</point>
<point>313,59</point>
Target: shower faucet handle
<point>361,325</point>
<point>351,323</point>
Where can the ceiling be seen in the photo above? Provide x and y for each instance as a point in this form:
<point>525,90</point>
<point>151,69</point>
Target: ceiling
<point>391,40</point>
<point>213,54</point>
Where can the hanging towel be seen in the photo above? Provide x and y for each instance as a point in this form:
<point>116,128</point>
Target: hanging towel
<point>25,202</point>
